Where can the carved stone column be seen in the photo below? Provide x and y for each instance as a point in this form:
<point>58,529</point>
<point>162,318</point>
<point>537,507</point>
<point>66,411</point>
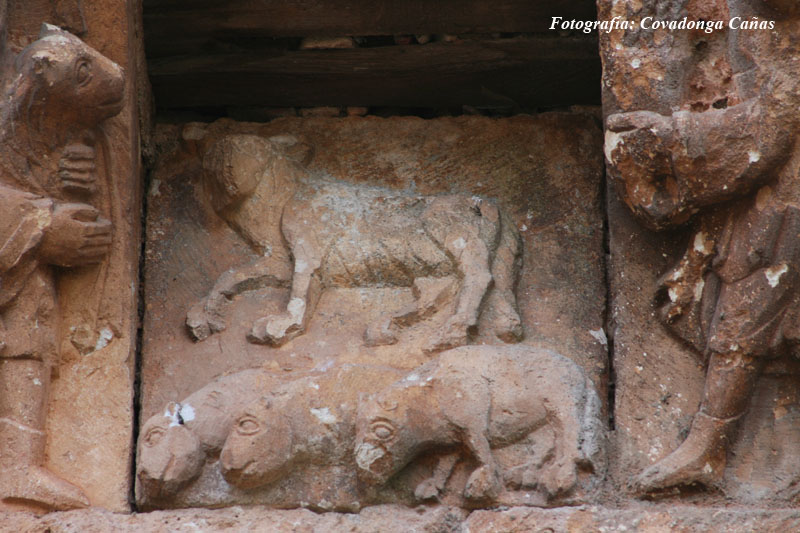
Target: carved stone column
<point>70,186</point>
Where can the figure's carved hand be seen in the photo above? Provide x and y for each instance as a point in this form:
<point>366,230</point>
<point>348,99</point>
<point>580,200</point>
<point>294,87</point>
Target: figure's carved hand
<point>77,236</point>
<point>77,169</point>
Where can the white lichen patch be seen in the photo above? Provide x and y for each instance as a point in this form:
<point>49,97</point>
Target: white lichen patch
<point>105,337</point>
<point>300,266</point>
<point>636,63</point>
<point>313,386</point>
<point>366,454</point>
<point>774,274</point>
<point>459,243</point>
<point>753,156</point>
<point>599,335</point>
<point>673,294</point>
<point>613,139</point>
<point>186,412</point>
<point>324,415</point>
<point>698,289</point>
<point>701,244</point>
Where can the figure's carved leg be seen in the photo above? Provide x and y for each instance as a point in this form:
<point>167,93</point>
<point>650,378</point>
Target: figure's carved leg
<point>430,295</point>
<point>484,482</point>
<point>473,258</point>
<point>433,486</point>
<point>207,315</point>
<point>24,384</point>
<point>306,290</point>
<point>701,458</point>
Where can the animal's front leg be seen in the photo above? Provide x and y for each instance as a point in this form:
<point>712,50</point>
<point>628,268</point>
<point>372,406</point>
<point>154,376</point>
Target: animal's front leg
<point>206,316</point>
<point>484,482</point>
<point>306,289</point>
<point>431,487</point>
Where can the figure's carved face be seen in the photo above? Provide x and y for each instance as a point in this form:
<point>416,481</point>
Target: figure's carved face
<point>384,443</point>
<point>74,84</point>
<point>169,456</point>
<point>258,449</point>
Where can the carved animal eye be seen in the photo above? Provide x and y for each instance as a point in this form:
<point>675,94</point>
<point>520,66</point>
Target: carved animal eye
<point>248,425</point>
<point>382,430</point>
<point>154,436</point>
<point>83,72</point>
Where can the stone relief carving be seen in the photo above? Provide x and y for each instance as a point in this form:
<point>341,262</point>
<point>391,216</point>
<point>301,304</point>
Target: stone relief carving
<point>291,434</point>
<point>350,236</point>
<point>543,418</point>
<point>732,296</point>
<point>480,398</point>
<point>59,92</point>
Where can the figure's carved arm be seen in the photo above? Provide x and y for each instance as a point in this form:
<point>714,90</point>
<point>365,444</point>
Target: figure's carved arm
<point>666,168</point>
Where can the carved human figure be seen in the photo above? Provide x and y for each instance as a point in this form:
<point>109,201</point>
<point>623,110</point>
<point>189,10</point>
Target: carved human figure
<point>735,294</point>
<point>477,399</point>
<point>342,235</point>
<point>60,90</point>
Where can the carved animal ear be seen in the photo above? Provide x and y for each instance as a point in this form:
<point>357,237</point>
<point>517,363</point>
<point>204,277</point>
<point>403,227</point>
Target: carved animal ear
<point>50,29</point>
<point>387,404</point>
<point>41,61</point>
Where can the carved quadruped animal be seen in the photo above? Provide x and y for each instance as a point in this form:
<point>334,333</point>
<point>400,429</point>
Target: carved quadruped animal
<point>483,398</point>
<point>344,235</point>
<point>309,421</point>
<point>175,444</point>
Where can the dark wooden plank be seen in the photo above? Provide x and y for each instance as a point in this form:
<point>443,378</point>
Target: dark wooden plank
<point>529,72</point>
<point>178,24</point>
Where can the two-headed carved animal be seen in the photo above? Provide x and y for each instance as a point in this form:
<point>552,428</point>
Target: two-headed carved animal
<point>482,398</point>
<point>174,445</point>
<point>310,420</point>
<point>343,235</point>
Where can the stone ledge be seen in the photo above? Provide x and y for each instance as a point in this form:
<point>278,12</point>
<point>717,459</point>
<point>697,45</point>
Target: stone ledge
<point>643,517</point>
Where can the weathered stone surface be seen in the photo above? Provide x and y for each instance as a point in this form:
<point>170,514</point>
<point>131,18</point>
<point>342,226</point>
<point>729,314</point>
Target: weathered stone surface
<point>90,332</point>
<point>362,311</point>
<point>699,143</point>
<point>436,519</point>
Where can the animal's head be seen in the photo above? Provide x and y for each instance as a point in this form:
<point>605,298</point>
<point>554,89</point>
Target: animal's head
<point>169,456</point>
<point>68,82</point>
<point>258,450</point>
<point>235,165</point>
<point>385,436</point>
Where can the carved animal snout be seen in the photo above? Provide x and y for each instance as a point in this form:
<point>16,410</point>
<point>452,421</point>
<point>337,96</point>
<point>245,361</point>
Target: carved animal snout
<point>169,458</point>
<point>258,449</point>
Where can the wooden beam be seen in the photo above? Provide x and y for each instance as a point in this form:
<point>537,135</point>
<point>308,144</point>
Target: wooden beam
<point>540,71</point>
<point>173,26</point>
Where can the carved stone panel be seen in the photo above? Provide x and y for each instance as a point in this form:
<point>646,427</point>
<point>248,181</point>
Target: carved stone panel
<point>68,258</point>
<point>324,295</point>
<point>703,224</point>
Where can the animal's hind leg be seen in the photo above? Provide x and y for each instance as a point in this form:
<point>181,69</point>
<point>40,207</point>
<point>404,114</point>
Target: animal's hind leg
<point>306,289</point>
<point>473,258</point>
<point>501,311</point>
<point>430,295</point>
